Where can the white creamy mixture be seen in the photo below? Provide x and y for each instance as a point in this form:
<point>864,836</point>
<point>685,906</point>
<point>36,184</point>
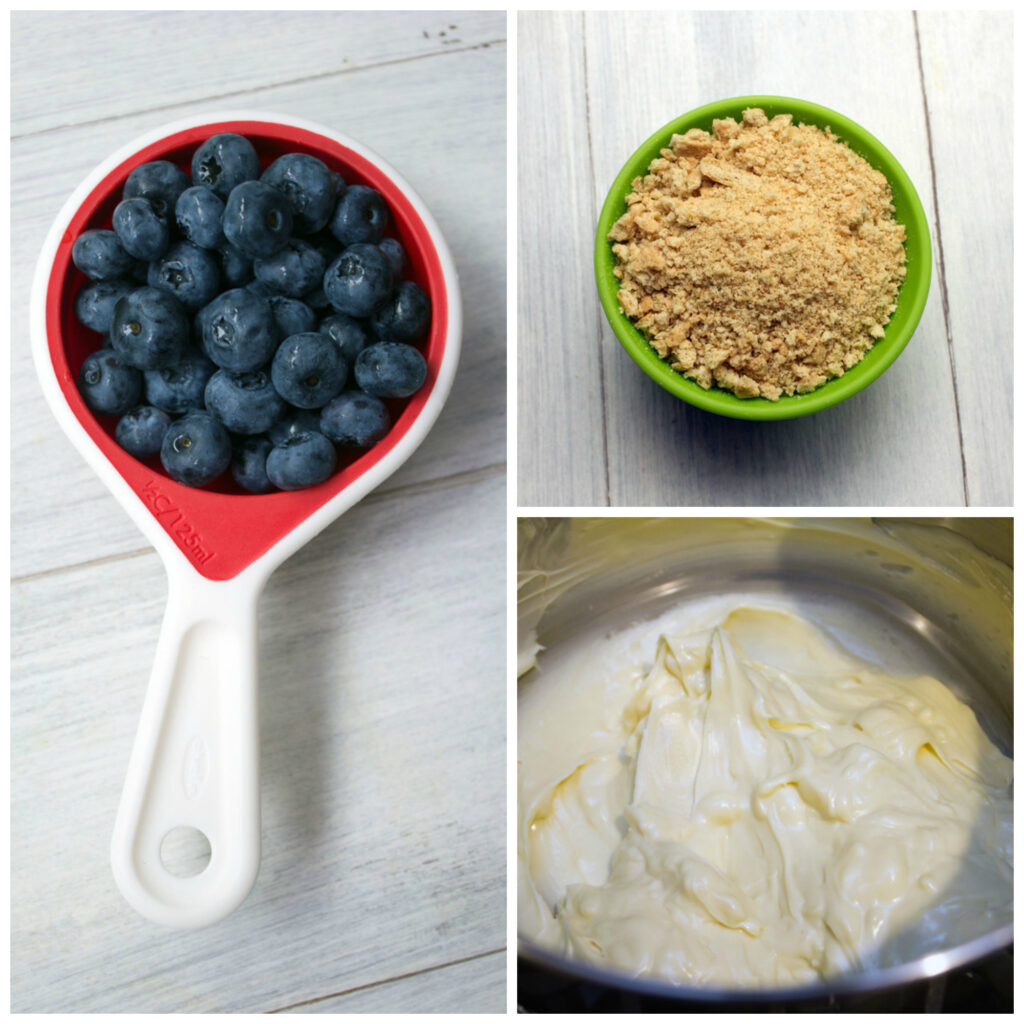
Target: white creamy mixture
<point>730,796</point>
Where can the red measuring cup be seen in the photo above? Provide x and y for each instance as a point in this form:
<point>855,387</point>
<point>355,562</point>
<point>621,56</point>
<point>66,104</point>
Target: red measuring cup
<point>195,760</point>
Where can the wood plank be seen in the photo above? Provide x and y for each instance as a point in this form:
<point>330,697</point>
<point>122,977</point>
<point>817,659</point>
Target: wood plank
<point>560,444</point>
<point>189,57</point>
<point>383,748</point>
<point>480,983</point>
<point>447,137</point>
<point>967,60</point>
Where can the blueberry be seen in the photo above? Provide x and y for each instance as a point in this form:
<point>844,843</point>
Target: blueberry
<point>302,460</point>
<point>348,333</point>
<point>355,419</point>
<point>359,280</point>
<point>308,370</point>
<point>390,370</point>
<point>196,449</point>
<point>140,431</point>
<point>294,421</point>
<point>404,315</point>
<point>149,329</point>
<point>180,388</point>
<point>94,303</point>
<point>190,274</point>
<point>294,270</point>
<point>235,266</point>
<point>291,315</point>
<point>159,181</point>
<point>249,464</point>
<point>392,248</point>
<point>309,187</point>
<point>238,331</point>
<point>139,229</point>
<point>107,385</point>
<point>246,403</point>
<point>199,214</point>
<point>264,291</point>
<point>99,255</point>
<point>223,162</point>
<point>360,216</point>
<point>257,219</point>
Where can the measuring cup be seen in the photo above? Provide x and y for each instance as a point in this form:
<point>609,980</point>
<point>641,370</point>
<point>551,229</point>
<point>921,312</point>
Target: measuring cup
<point>195,760</point>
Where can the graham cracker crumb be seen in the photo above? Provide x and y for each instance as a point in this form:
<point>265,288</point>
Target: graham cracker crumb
<point>762,258</point>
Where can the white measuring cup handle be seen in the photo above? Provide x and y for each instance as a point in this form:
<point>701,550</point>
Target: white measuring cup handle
<point>195,761</point>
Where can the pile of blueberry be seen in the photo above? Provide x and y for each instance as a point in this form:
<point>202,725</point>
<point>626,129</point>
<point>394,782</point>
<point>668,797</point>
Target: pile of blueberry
<point>253,319</point>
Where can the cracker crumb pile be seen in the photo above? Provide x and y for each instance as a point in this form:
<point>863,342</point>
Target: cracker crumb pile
<point>762,258</point>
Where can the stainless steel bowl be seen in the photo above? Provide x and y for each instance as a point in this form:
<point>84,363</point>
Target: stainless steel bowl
<point>944,585</point>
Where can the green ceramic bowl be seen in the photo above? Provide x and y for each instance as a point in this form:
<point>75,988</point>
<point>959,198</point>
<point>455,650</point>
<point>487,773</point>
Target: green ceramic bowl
<point>910,303</point>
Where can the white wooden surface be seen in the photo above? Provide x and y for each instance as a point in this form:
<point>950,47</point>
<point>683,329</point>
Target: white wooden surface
<point>382,886</point>
<point>936,429</point>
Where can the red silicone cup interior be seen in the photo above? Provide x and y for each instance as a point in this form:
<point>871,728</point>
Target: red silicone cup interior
<point>222,529</point>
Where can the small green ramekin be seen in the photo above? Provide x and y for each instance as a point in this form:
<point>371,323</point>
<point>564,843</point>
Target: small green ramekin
<point>910,303</point>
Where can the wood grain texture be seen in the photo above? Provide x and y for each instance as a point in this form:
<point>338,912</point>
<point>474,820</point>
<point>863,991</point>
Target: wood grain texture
<point>967,63</point>
<point>426,992</point>
<point>382,642</point>
<point>559,378</point>
<point>383,761</point>
<point>160,60</point>
<point>898,442</point>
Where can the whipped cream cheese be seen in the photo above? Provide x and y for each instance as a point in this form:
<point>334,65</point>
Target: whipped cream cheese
<point>729,795</point>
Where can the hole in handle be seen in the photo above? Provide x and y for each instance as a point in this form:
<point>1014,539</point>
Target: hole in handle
<point>185,852</point>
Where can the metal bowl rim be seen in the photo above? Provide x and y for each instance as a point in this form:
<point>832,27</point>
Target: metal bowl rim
<point>922,968</point>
